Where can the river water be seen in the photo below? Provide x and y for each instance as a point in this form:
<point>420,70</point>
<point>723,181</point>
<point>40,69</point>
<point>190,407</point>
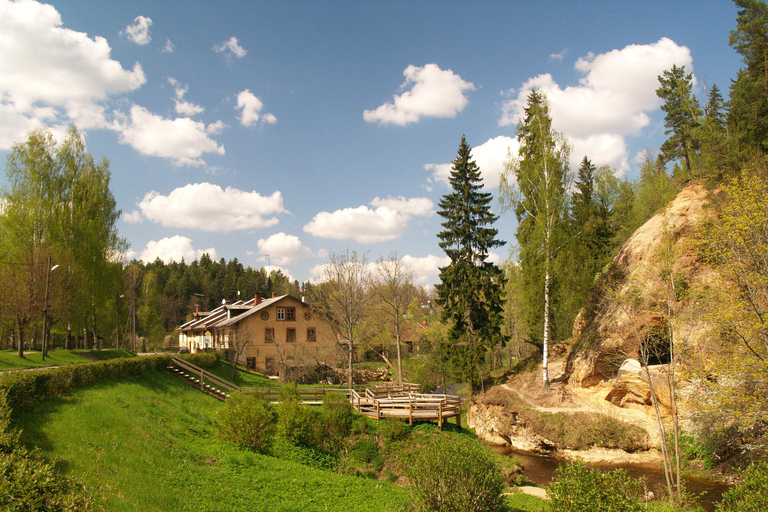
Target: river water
<point>540,469</point>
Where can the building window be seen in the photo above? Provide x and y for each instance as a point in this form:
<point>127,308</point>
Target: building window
<point>311,335</point>
<point>250,363</point>
<point>290,335</point>
<point>269,335</point>
<point>288,314</point>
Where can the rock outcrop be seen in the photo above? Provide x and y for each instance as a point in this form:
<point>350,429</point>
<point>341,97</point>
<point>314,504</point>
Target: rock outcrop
<point>610,330</point>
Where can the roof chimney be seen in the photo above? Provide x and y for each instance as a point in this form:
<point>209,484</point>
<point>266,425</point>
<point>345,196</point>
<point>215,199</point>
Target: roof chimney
<point>197,309</point>
<point>257,298</point>
<point>274,295</point>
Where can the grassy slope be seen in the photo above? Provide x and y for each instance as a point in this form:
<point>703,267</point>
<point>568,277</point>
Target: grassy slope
<point>9,359</point>
<point>147,444</point>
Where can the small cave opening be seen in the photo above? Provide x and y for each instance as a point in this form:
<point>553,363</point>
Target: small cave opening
<point>654,347</point>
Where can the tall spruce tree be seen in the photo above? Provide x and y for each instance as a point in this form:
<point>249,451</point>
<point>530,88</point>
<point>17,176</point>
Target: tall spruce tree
<point>540,174</point>
<point>470,290</point>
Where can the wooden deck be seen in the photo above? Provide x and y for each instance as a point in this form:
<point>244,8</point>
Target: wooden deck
<point>384,401</point>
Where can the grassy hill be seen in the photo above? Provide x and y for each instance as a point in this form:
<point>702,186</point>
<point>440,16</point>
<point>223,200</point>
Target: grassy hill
<point>9,359</point>
<point>147,444</point>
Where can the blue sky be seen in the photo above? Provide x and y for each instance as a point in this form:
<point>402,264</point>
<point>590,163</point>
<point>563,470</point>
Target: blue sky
<point>279,132</point>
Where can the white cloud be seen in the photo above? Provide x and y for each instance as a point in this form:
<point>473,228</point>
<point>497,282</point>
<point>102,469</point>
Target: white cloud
<point>419,206</point>
<point>46,69</point>
<point>210,208</point>
<point>283,249</point>
<point>433,93</point>
<point>612,100</point>
<point>558,57</point>
<point>132,218</point>
<point>250,107</point>
<point>181,140</point>
<point>232,46</point>
<point>174,248</point>
<point>139,31</point>
<point>426,269</point>
<point>387,221</point>
<point>168,46</point>
<point>184,108</point>
<point>489,157</point>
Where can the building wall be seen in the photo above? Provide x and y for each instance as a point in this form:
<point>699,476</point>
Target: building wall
<point>270,356</point>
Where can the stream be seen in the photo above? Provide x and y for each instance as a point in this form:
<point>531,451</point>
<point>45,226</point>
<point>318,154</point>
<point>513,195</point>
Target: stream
<point>540,469</point>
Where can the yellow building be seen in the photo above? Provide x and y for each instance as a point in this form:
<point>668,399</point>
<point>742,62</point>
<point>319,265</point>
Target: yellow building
<point>277,336</point>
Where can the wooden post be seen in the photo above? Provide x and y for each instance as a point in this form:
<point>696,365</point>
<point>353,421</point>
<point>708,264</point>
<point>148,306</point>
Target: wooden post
<point>440,415</point>
<point>410,412</point>
<point>201,378</point>
<point>378,416</point>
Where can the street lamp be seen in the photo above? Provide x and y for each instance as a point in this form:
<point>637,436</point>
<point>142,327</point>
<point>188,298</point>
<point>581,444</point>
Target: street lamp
<point>45,307</point>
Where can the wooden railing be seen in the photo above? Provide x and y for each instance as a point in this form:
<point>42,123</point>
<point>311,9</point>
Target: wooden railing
<point>203,376</point>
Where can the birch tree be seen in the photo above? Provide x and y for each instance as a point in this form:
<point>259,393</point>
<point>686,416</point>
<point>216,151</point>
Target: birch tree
<point>534,185</point>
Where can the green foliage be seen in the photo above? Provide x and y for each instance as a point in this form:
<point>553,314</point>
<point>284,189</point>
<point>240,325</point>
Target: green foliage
<point>470,286</point>
<point>312,457</point>
<point>577,488</point>
<point>338,418</point>
<point>205,360</point>
<point>297,423</point>
<point>454,473</point>
<point>751,495</point>
<point>392,430</point>
<point>23,390</point>
<point>29,483</point>
<point>247,420</point>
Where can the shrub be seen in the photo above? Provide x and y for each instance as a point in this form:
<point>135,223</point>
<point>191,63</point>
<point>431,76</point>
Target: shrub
<point>581,430</point>
<point>338,417</point>
<point>577,488</point>
<point>296,423</point>
<point>454,473</point>
<point>392,430</point>
<point>751,495</point>
<point>205,360</point>
<point>247,420</point>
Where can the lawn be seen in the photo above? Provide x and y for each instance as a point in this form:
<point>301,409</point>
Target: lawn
<point>9,359</point>
<point>148,444</point>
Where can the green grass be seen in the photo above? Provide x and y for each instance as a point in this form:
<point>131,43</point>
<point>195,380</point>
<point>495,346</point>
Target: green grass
<point>223,370</point>
<point>520,502</point>
<point>9,359</point>
<point>110,353</point>
<point>148,444</point>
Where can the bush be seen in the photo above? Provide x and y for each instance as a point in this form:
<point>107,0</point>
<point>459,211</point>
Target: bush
<point>338,417</point>
<point>751,495</point>
<point>577,488</point>
<point>205,360</point>
<point>392,430</point>
<point>454,473</point>
<point>247,420</point>
<point>296,422</point>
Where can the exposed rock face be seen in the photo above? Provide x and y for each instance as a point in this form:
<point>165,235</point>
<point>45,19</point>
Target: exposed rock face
<point>497,425</point>
<point>608,332</point>
<point>631,387</point>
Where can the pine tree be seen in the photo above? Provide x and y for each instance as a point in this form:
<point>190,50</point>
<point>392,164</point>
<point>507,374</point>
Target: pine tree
<point>471,287</point>
<point>748,117</point>
<point>683,114</point>
<point>540,202</point>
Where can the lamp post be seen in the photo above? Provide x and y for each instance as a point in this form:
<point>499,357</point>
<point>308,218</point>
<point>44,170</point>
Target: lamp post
<point>117,319</point>
<point>45,307</point>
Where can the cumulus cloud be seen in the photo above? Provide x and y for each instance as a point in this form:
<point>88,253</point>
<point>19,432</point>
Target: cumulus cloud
<point>231,45</point>
<point>387,221</point>
<point>139,31</point>
<point>426,269</point>
<point>612,100</point>
<point>168,46</point>
<point>433,93</point>
<point>51,75</point>
<point>181,140</point>
<point>210,208</point>
<point>250,109</point>
<point>174,248</point>
<point>489,157</point>
<point>559,56</point>
<point>184,108</point>
<point>283,249</point>
<point>132,218</point>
